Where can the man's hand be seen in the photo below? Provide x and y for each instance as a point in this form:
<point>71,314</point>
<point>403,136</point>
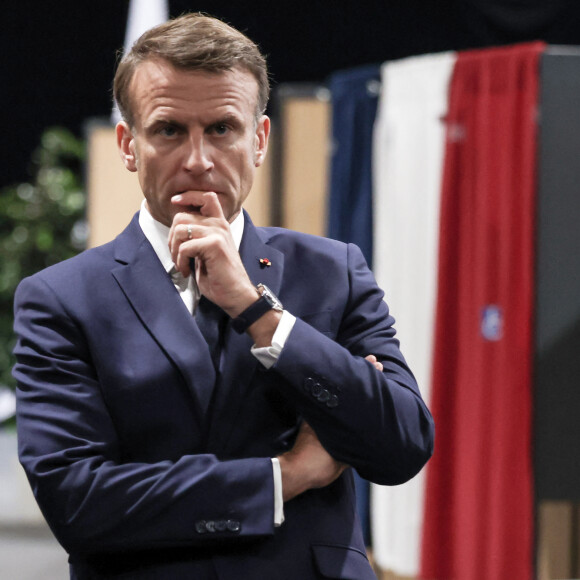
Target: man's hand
<point>202,233</point>
<point>307,465</point>
<point>373,359</point>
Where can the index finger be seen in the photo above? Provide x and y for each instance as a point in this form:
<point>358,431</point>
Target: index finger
<point>205,203</point>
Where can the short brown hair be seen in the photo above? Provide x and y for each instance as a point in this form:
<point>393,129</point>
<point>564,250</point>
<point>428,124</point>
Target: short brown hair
<point>192,42</point>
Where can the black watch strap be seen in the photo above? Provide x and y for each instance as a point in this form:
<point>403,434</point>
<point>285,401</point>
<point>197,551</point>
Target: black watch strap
<point>250,315</point>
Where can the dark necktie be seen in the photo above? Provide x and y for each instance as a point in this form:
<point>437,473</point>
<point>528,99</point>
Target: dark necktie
<point>211,320</point>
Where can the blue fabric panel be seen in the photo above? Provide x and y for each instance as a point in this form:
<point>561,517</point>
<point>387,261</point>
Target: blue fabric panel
<point>354,95</point>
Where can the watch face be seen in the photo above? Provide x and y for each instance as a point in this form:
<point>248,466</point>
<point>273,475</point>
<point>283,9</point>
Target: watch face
<point>270,297</point>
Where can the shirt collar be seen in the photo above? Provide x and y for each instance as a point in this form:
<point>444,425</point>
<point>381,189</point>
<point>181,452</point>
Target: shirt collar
<point>158,234</point>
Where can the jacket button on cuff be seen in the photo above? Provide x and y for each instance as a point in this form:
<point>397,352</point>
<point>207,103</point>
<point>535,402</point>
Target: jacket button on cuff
<point>233,526</point>
<point>308,384</point>
<point>332,402</point>
<point>316,389</point>
<point>210,526</point>
<point>200,527</point>
<point>324,396</point>
<point>221,526</point>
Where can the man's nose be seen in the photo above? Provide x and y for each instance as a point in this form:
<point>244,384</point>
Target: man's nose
<point>197,157</point>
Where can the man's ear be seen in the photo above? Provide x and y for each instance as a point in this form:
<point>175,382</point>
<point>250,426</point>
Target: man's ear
<point>262,136</point>
<point>126,145</point>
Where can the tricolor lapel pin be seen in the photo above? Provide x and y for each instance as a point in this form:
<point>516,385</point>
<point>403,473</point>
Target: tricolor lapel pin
<point>265,263</point>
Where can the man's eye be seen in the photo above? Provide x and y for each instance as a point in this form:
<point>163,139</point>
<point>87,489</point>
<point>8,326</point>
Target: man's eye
<point>220,129</point>
<point>168,131</point>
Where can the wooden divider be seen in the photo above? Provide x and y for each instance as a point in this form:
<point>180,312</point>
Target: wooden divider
<point>114,194</point>
<point>305,147</point>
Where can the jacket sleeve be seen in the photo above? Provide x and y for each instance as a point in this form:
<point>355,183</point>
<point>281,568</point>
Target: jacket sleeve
<point>93,499</point>
<point>374,421</point>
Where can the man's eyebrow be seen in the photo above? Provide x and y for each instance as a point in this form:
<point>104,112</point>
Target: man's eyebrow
<point>160,121</point>
<point>227,118</point>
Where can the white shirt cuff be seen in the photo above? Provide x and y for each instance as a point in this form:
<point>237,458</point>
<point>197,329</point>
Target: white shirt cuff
<point>268,355</point>
<point>278,497</point>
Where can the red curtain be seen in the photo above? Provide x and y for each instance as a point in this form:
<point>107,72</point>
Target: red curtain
<point>479,499</point>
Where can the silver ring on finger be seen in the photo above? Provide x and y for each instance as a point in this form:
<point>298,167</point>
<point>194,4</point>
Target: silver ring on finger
<point>189,231</point>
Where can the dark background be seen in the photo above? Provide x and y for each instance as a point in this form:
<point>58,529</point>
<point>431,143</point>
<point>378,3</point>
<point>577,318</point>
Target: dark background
<point>57,58</point>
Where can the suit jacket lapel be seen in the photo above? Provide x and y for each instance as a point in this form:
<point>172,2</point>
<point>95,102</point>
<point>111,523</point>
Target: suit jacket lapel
<point>238,364</point>
<point>151,293</point>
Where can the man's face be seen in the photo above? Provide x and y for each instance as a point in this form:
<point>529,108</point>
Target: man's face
<point>193,131</point>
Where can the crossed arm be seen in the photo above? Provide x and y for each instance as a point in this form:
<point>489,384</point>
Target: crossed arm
<point>308,465</point>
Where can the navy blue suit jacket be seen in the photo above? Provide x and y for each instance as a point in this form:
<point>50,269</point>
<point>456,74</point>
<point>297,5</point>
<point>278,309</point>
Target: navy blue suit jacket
<point>147,465</point>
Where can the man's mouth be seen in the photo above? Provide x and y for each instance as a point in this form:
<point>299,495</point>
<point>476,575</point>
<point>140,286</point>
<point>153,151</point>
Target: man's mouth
<point>189,208</point>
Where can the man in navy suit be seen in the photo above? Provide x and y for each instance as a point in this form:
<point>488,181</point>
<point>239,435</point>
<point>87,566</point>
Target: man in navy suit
<point>174,419</point>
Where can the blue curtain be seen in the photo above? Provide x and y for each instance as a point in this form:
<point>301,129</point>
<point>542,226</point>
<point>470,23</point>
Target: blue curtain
<point>354,97</point>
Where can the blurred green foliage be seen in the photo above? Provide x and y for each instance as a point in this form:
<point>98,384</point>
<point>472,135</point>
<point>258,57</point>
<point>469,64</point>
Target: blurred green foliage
<point>41,223</point>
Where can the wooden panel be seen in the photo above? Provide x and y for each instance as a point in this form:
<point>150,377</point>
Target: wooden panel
<point>575,542</point>
<point>259,202</point>
<point>554,540</point>
<point>386,575</point>
<point>305,150</point>
<point>114,194</point>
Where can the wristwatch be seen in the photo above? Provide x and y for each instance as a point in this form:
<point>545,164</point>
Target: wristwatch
<point>267,301</point>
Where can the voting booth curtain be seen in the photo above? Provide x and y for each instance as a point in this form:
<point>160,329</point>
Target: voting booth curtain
<point>409,140</point>
<point>478,523</point>
<point>454,169</point>
<point>354,99</point>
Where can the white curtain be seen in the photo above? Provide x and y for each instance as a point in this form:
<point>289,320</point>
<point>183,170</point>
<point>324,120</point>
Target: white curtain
<point>408,151</point>
<point>142,15</point>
